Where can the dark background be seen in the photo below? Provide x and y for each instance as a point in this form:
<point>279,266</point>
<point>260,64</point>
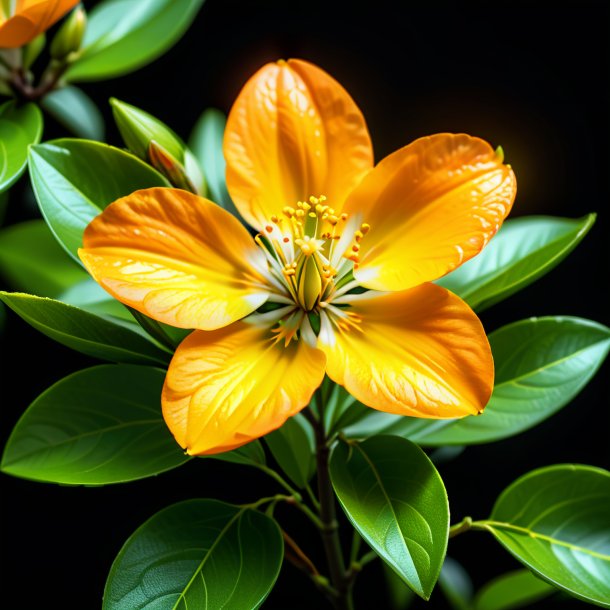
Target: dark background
<point>530,76</point>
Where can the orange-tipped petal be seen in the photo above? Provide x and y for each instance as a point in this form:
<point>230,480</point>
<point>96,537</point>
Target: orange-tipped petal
<point>227,387</point>
<point>422,352</point>
<point>176,257</point>
<point>432,206</point>
<point>31,18</point>
<point>293,132</point>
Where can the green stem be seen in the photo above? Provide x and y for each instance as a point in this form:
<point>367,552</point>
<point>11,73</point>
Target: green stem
<point>295,498</point>
<point>459,528</point>
<point>330,530</point>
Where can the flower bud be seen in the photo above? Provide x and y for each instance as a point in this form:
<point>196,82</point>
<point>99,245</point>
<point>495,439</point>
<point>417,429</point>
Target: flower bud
<point>310,284</point>
<point>169,166</point>
<point>70,36</point>
<point>140,130</point>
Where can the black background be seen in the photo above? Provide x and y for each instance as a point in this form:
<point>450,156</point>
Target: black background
<point>530,76</point>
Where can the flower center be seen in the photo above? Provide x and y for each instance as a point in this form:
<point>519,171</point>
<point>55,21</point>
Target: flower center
<point>311,252</point>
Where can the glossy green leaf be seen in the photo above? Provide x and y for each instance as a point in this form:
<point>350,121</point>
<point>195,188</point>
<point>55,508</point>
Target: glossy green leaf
<point>513,590</point>
<point>396,500</point>
<point>197,554</point>
<point>124,35</point>
<point>293,447</point>
<point>138,129</point>
<point>556,521</point>
<point>98,426</point>
<point>206,143</point>
<point>20,126</point>
<point>74,180</point>
<point>541,365</point>
<point>87,294</point>
<point>76,111</point>
<point>523,250</point>
<point>22,249</point>
<point>251,454</point>
<point>456,585</point>
<point>84,331</point>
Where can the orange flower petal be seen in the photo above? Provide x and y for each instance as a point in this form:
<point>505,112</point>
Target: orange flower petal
<point>227,387</point>
<point>432,206</point>
<point>175,257</point>
<point>422,352</point>
<point>293,132</point>
<point>31,18</point>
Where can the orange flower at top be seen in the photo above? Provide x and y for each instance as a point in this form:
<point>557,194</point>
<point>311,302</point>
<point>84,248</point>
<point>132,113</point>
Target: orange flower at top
<point>28,19</point>
<point>337,279</point>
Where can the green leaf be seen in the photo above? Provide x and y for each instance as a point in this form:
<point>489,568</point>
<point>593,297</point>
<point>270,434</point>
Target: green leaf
<point>74,180</point>
<point>90,296</point>
<point>76,111</point>
<point>556,522</point>
<point>98,426</point>
<point>124,35</point>
<point>251,454</point>
<point>541,365</point>
<point>139,129</point>
<point>84,331</point>
<point>512,590</point>
<point>456,585</point>
<point>20,126</point>
<point>293,447</point>
<point>22,249</point>
<point>523,250</point>
<point>197,554</point>
<point>396,500</point>
<point>206,143</point>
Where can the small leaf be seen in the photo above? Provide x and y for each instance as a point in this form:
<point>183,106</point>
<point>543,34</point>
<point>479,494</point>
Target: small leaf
<point>556,522</point>
<point>84,331</point>
<point>541,365</point>
<point>22,249</point>
<point>293,447</point>
<point>20,126</point>
<point>523,250</point>
<point>396,500</point>
<point>251,454</point>
<point>197,554</point>
<point>74,180</point>
<point>124,35</point>
<point>98,426</point>
<point>512,590</point>
<point>76,111</point>
<point>206,144</point>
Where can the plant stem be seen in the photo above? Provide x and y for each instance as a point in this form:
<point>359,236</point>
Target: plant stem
<point>296,498</point>
<point>459,528</point>
<point>330,529</point>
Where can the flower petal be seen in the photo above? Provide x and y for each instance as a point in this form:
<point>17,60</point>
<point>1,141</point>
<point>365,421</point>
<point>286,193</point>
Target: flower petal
<point>422,352</point>
<point>177,258</point>
<point>31,18</point>
<point>227,387</point>
<point>432,206</point>
<point>293,132</point>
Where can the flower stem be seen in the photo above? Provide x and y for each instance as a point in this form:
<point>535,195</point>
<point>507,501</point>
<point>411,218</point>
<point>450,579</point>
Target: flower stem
<point>459,528</point>
<point>330,525</point>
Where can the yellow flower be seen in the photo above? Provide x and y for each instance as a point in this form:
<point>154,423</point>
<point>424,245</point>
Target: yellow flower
<point>337,279</point>
<point>28,19</point>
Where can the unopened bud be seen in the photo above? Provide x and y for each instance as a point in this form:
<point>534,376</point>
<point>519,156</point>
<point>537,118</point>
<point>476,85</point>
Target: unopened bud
<point>32,50</point>
<point>310,284</point>
<point>69,38</point>
<point>140,130</point>
<point>169,166</point>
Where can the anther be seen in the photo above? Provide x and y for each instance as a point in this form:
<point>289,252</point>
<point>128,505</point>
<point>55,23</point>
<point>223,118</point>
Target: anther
<point>269,229</point>
<point>344,216</point>
<point>274,219</point>
<point>365,227</point>
<point>289,211</point>
<point>286,240</point>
